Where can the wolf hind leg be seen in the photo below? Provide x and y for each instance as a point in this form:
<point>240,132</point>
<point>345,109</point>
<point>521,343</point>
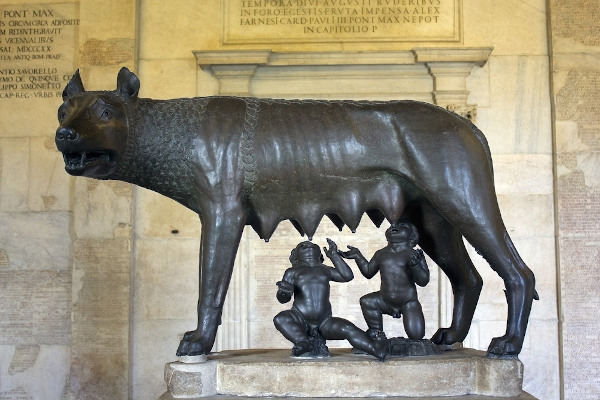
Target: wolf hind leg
<point>444,244</point>
<point>484,229</point>
<point>520,293</point>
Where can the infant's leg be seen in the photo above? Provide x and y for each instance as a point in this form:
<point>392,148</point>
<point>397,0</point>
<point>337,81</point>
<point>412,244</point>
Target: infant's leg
<point>414,321</point>
<point>340,329</point>
<point>291,326</point>
<point>372,306</point>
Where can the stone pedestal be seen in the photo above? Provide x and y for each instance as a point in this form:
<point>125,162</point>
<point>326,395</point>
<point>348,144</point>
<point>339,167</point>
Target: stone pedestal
<point>273,373</point>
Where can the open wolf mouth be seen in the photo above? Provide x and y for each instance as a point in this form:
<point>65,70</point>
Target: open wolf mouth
<point>76,161</point>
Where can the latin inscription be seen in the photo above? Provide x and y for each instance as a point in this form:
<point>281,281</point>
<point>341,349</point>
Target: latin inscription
<point>262,21</point>
<point>36,50</point>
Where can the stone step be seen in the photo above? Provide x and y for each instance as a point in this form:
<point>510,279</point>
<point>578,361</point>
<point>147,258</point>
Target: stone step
<point>522,396</point>
<point>273,373</point>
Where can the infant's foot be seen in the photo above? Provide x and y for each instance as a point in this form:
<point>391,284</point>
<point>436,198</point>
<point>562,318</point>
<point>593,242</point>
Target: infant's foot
<point>381,349</point>
<point>376,334</point>
<point>301,348</point>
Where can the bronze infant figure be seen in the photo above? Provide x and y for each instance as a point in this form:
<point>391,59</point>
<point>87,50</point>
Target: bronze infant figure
<point>309,323</point>
<point>250,161</point>
<point>401,268</point>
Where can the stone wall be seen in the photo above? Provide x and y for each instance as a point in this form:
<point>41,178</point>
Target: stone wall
<point>98,280</point>
<point>36,248</point>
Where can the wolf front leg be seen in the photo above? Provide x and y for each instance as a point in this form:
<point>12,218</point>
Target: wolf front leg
<point>221,233</point>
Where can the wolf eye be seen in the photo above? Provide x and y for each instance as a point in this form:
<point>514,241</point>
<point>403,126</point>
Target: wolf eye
<point>102,111</point>
<point>62,114</point>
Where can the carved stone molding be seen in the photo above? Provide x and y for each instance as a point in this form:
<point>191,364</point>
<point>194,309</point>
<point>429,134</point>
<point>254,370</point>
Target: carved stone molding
<point>468,111</point>
<point>447,68</point>
<point>233,69</point>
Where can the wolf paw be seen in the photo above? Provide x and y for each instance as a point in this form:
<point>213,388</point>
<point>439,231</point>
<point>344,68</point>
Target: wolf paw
<point>446,336</point>
<point>507,346</point>
<point>194,343</point>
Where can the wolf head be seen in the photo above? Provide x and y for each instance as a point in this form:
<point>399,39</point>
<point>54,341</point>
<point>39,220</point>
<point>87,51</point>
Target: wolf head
<point>94,126</point>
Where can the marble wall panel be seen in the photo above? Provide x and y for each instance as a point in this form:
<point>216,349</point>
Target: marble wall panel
<point>157,216</point>
<point>114,21</point>
<point>14,192</point>
<point>49,184</point>
<point>511,27</point>
<point>518,117</point>
<point>166,269</point>
<point>191,25</point>
<point>35,241</point>
<point>168,79</point>
<point>36,372</point>
<point>32,176</point>
<point>36,307</point>
<point>153,344</point>
<point>102,208</point>
<point>580,376</point>
<point>576,81</point>
<point>100,324</point>
<point>516,174</point>
<point>478,85</point>
<point>579,311</point>
<point>477,17</point>
<point>540,255</point>
<point>516,27</point>
<point>35,317</point>
<point>528,215</point>
<point>541,358</point>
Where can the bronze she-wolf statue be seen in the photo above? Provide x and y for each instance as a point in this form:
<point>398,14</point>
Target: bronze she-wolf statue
<point>249,161</point>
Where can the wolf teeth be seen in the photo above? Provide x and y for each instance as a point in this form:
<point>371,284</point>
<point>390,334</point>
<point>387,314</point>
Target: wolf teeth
<point>81,159</point>
<point>74,159</point>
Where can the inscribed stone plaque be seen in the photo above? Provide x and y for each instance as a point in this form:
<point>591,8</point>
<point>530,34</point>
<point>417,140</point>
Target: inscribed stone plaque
<point>36,49</point>
<point>35,307</point>
<point>288,21</point>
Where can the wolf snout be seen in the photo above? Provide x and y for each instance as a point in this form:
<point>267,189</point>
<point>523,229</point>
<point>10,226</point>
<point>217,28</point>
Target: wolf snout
<point>66,135</point>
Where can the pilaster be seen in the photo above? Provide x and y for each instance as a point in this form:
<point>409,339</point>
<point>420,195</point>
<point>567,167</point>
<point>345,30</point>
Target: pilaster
<point>233,69</point>
<point>102,224</point>
<point>450,69</point>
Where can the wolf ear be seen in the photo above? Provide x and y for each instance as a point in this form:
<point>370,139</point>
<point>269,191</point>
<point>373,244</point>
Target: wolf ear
<point>128,85</point>
<point>74,86</point>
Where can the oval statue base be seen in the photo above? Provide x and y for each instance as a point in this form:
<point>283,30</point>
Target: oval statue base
<point>458,374</point>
